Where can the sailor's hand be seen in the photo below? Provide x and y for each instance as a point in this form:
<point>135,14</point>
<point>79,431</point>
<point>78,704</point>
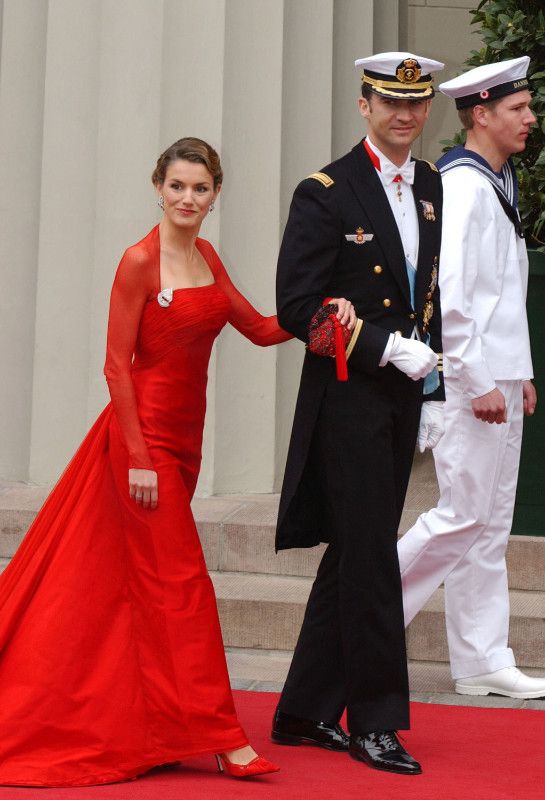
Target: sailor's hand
<point>529,395</point>
<point>490,407</point>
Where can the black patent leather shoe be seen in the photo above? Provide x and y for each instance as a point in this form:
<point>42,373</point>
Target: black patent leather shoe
<point>295,730</point>
<point>382,750</point>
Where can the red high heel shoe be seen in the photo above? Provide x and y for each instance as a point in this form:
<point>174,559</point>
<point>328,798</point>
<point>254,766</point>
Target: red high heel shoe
<point>257,766</point>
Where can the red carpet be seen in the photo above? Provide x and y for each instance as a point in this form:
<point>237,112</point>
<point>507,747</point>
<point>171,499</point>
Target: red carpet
<point>481,753</point>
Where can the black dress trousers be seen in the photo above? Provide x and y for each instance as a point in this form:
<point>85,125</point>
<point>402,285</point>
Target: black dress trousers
<point>351,649</point>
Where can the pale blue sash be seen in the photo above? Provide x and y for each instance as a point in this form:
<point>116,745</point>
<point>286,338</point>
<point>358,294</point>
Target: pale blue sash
<point>431,381</point>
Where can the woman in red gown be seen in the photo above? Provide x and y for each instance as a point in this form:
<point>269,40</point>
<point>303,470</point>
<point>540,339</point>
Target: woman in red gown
<point>111,656</point>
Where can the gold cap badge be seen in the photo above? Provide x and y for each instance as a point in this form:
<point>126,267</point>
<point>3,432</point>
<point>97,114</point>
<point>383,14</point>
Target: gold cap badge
<point>409,71</point>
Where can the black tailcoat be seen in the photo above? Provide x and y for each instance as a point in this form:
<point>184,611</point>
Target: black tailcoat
<point>353,442</point>
<point>317,261</point>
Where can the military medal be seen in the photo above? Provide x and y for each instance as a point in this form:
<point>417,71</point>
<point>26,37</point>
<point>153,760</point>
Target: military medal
<point>427,314</point>
<point>360,237</point>
<point>397,181</point>
<point>433,282</point>
<point>428,210</point>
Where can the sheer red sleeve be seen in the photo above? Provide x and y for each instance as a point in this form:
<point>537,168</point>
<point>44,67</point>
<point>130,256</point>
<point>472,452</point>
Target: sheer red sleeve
<point>244,317</point>
<point>130,291</point>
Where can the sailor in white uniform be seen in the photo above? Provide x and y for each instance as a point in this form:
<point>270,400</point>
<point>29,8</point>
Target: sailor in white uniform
<point>483,275</point>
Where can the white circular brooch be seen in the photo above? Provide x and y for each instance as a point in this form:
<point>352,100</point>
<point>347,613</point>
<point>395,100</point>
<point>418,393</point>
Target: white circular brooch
<point>164,298</point>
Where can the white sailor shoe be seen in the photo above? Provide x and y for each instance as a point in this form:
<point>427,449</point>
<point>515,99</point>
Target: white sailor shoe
<point>509,682</point>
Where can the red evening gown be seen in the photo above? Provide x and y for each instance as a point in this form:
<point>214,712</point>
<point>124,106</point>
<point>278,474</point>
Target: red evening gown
<point>111,656</point>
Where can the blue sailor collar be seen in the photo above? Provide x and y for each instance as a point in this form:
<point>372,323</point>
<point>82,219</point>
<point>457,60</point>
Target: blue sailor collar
<point>505,182</point>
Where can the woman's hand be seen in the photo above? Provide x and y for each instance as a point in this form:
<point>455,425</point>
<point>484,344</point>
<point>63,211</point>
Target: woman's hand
<point>143,487</point>
<point>346,313</point>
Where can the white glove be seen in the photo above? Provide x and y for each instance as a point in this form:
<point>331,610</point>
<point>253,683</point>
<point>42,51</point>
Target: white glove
<point>432,424</point>
<point>412,357</point>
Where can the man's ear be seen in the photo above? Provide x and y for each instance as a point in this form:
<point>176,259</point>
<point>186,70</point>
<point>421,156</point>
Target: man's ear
<point>480,116</point>
<point>364,107</point>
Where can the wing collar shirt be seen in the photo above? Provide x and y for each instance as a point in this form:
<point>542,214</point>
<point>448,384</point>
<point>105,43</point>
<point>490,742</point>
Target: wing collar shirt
<point>401,199</point>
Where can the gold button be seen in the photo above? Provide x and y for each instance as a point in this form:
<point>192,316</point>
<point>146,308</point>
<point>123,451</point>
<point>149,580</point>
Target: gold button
<point>412,316</point>
<point>377,270</point>
<point>429,296</point>
<point>386,303</point>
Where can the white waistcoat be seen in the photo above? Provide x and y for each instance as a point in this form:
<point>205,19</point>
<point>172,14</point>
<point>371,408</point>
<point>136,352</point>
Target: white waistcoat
<point>483,278</point>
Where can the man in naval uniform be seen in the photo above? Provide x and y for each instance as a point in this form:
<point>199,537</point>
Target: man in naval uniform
<point>484,272</point>
<point>366,228</point>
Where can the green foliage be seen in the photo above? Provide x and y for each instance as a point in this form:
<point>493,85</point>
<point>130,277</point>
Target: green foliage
<point>509,29</point>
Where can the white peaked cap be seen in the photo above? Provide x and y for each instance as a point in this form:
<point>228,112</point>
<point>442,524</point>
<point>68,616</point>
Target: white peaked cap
<point>399,74</point>
<point>488,82</point>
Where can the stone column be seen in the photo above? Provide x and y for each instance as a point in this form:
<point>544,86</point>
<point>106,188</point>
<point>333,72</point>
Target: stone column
<point>66,223</point>
<point>250,222</point>
<point>353,38</point>
<point>388,16</point>
<point>306,147</point>
<point>440,29</point>
<point>127,144</point>
<point>320,122</point>
<point>22,62</point>
<point>192,105</point>
<point>101,121</point>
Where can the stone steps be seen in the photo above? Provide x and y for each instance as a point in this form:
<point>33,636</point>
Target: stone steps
<point>427,640</point>
<point>261,595</point>
<point>429,681</point>
<point>271,667</point>
<point>237,533</point>
<point>266,611</point>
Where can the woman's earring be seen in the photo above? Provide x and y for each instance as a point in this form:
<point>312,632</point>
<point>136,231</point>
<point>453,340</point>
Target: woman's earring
<point>211,208</point>
<point>161,202</point>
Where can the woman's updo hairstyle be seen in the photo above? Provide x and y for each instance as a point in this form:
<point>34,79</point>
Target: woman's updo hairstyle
<point>189,149</point>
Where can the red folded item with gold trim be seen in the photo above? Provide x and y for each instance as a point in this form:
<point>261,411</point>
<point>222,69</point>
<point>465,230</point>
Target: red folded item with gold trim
<point>327,337</point>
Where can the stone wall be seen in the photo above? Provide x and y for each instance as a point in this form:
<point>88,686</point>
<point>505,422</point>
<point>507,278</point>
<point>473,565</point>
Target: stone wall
<point>441,29</point>
<point>90,92</point>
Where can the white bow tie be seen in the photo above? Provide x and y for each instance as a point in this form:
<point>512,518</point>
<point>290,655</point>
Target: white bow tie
<point>390,172</point>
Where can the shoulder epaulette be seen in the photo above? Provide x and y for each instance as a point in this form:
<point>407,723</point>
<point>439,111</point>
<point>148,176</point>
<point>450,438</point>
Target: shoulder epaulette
<point>430,164</point>
<point>324,179</point>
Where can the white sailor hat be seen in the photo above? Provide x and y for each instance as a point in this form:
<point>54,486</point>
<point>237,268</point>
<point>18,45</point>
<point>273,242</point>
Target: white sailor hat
<point>401,75</point>
<point>488,82</point>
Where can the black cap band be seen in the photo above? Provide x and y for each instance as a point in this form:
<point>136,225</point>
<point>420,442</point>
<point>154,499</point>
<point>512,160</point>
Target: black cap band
<point>494,93</point>
<point>390,86</point>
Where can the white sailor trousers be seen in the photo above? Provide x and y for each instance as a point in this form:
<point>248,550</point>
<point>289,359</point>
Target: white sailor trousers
<point>462,541</point>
